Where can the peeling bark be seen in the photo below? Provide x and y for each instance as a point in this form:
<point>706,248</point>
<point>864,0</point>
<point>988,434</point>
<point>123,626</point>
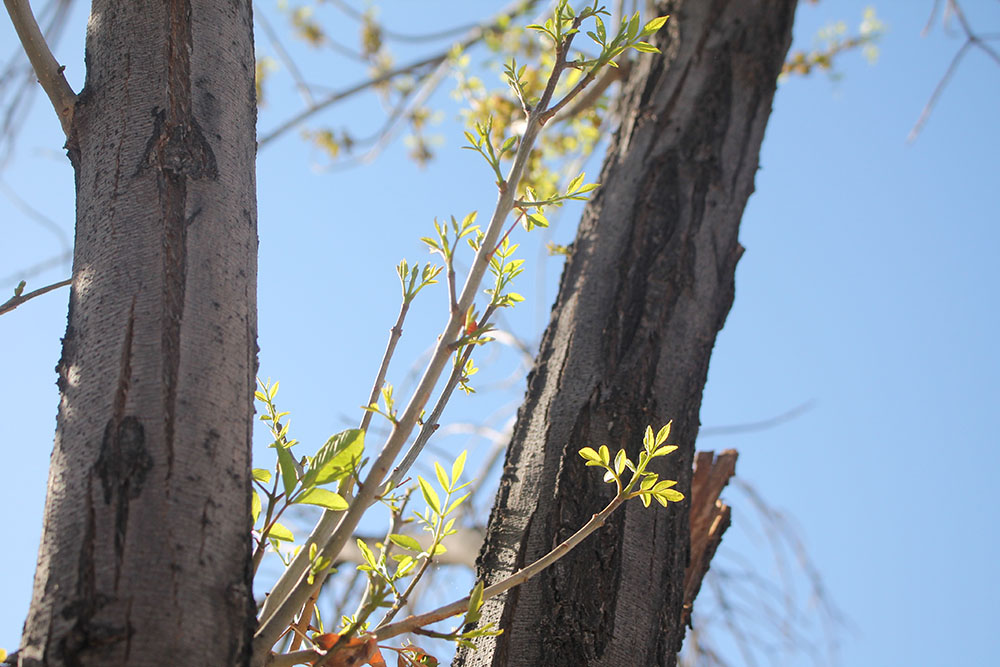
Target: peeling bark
<point>145,552</point>
<point>646,289</point>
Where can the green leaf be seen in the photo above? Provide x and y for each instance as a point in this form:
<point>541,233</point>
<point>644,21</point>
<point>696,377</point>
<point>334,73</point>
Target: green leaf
<point>367,554</point>
<point>663,451</point>
<point>458,466</point>
<point>430,496</point>
<point>591,455</point>
<point>620,462</point>
<point>255,506</point>
<point>648,439</point>
<point>287,465</point>
<point>575,184</point>
<point>645,47</point>
<point>406,542</point>
<point>653,26</point>
<point>451,508</point>
<point>605,455</point>
<point>442,476</point>
<point>262,475</point>
<point>279,532</point>
<point>633,26</point>
<point>336,459</point>
<point>323,498</point>
<point>645,499</point>
<point>507,145</point>
<point>475,602</point>
<point>663,434</point>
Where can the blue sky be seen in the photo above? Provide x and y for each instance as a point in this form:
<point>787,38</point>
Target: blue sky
<point>868,291</point>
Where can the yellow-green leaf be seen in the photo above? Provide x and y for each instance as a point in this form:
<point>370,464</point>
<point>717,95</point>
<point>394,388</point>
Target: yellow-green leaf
<point>323,498</point>
<point>406,542</point>
<point>458,466</point>
<point>279,532</point>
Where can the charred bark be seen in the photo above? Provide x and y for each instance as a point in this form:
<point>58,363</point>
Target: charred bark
<point>645,292</point>
<point>145,551</point>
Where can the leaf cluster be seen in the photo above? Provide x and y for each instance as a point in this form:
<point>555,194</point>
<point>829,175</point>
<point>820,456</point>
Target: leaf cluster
<point>650,487</point>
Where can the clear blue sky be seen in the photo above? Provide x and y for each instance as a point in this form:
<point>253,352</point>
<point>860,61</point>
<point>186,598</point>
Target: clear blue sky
<point>868,288</point>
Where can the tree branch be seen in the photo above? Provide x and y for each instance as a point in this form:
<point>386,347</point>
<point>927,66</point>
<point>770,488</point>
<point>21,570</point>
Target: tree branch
<point>16,300</point>
<point>48,71</point>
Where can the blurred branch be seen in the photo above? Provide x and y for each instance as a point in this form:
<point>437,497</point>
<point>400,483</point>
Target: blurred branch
<point>283,55</point>
<point>972,40</point>
<point>403,37</point>
<point>762,425</point>
<point>472,37</point>
<point>34,270</point>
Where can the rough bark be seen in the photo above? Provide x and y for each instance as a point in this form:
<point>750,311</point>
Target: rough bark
<point>145,551</point>
<point>648,286</point>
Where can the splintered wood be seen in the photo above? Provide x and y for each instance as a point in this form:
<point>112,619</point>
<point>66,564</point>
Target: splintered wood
<point>709,518</point>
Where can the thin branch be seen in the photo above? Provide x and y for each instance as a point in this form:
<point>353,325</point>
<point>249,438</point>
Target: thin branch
<point>283,55</point>
<point>49,72</point>
<point>971,40</point>
<point>394,335</point>
<point>472,37</point>
<point>36,215</point>
<point>411,623</point>
<point>412,38</point>
<point>35,269</point>
<point>15,301</point>
<point>762,425</point>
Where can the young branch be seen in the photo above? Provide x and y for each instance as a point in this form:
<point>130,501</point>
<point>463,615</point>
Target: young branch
<point>411,623</point>
<point>16,300</point>
<point>48,71</point>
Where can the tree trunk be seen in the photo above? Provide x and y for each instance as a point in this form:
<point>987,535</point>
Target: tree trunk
<point>647,288</point>
<point>145,551</point>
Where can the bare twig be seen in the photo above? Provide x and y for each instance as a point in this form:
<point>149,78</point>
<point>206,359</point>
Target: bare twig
<point>49,72</point>
<point>472,37</point>
<point>15,301</point>
<point>283,55</point>
<point>972,40</point>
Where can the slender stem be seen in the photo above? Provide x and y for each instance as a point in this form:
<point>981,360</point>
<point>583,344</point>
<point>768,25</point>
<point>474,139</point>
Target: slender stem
<point>394,335</point>
<point>48,71</point>
<point>305,618</point>
<point>429,427</point>
<point>411,623</point>
<point>15,301</point>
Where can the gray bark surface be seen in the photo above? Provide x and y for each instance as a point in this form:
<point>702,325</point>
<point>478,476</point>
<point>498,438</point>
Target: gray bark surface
<point>645,292</point>
<point>145,551</point>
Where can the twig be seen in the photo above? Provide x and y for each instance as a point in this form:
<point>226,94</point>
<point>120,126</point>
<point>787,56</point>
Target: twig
<point>48,71</point>
<point>283,55</point>
<point>15,301</point>
<point>472,37</point>
<point>972,39</point>
<point>395,333</point>
<point>411,623</point>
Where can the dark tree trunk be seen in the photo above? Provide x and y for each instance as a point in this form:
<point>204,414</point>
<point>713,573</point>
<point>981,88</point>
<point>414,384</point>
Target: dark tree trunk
<point>647,288</point>
<point>145,551</point>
